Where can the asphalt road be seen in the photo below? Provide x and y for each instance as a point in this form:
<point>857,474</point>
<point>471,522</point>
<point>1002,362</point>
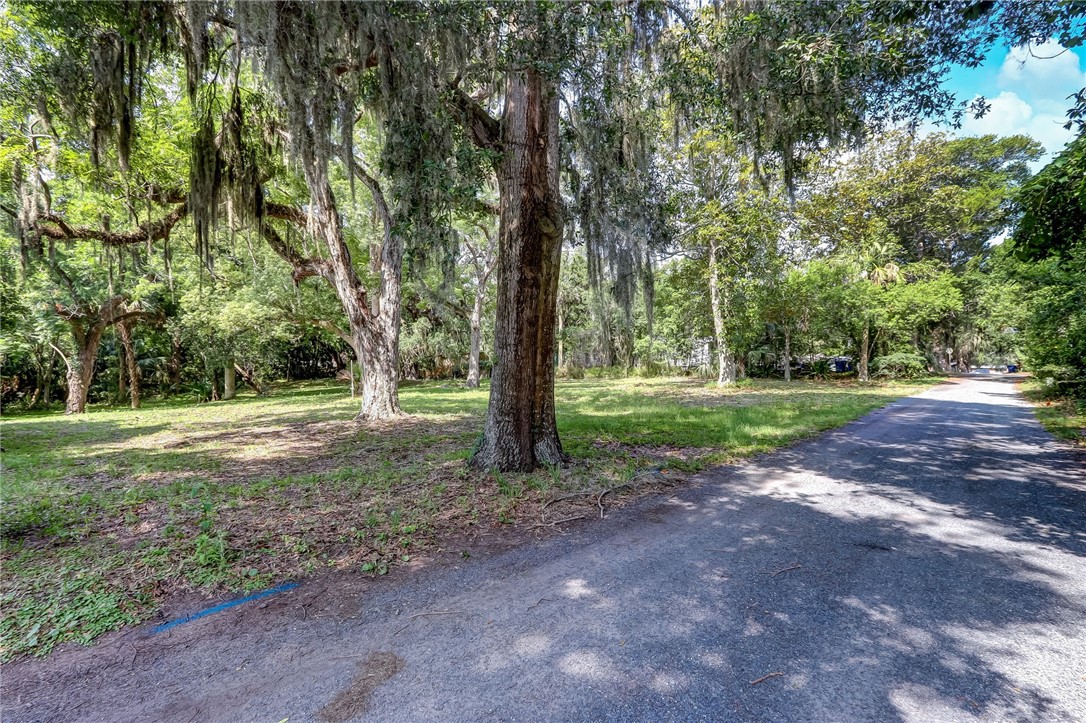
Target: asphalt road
<point>925,563</point>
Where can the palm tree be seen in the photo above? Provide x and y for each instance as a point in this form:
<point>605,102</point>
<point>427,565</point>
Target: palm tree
<point>881,270</point>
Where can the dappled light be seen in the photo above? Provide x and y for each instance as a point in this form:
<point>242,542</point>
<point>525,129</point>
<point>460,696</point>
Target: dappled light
<point>465,360</point>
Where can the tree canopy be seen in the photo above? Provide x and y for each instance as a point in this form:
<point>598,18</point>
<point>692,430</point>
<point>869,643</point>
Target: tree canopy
<point>198,190</point>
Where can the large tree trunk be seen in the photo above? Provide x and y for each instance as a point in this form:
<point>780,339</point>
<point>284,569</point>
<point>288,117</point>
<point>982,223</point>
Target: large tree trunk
<point>81,368</point>
<point>124,333</point>
<point>476,338</point>
<point>88,323</point>
<point>229,381</point>
<point>520,433</point>
<point>379,383</point>
<point>726,371</point>
<point>375,331</point>
<point>865,348</point>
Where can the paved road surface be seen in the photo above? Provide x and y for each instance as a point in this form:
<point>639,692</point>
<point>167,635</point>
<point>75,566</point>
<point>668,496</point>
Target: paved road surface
<point>925,563</point>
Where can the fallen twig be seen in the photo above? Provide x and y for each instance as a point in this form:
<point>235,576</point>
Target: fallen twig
<point>575,495</point>
<point>541,601</point>
<point>767,676</point>
<point>627,483</point>
<point>555,523</point>
<point>427,615</point>
<point>436,612</point>
<point>785,569</point>
<point>599,495</point>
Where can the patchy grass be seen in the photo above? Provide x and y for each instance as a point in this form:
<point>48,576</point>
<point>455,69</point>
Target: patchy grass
<point>1064,418</point>
<point>106,514</point>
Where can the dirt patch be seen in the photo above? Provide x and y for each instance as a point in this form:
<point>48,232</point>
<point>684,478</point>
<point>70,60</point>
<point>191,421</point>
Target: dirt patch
<point>373,672</point>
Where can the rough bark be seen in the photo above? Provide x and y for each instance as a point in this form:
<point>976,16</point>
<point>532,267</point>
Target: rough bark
<point>80,372</point>
<point>122,374</point>
<point>88,323</point>
<point>47,386</point>
<point>520,433</point>
<point>374,330</point>
<point>124,333</point>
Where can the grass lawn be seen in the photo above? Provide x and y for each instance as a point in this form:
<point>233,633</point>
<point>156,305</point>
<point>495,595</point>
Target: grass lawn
<point>1065,418</point>
<point>105,515</point>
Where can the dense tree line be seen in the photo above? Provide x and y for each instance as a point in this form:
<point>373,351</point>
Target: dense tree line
<point>200,195</point>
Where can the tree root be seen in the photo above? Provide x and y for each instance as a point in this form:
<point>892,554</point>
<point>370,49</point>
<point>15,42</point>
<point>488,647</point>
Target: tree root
<point>599,495</point>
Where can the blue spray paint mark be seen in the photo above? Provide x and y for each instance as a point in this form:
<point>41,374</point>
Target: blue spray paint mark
<point>219,608</point>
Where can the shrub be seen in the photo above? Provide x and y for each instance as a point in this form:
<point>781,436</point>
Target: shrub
<point>571,371</point>
<point>900,365</point>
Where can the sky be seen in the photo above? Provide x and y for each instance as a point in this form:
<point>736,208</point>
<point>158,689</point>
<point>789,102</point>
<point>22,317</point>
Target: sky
<point>1027,89</point>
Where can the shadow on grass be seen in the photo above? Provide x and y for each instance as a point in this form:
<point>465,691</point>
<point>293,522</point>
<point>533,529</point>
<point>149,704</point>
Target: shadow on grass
<point>924,568</point>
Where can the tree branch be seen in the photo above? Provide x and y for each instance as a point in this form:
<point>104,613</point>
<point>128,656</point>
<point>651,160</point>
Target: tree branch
<point>379,202</point>
<point>485,130</point>
<point>62,355</point>
<point>54,226</point>
<point>302,267</point>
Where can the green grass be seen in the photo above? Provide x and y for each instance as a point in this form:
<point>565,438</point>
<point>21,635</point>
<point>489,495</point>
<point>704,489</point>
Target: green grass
<point>1064,418</point>
<point>107,514</point>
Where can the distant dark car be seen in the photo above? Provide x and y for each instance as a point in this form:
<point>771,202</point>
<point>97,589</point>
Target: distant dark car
<point>1012,368</point>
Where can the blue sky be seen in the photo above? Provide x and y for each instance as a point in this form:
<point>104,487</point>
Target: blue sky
<point>1027,92</point>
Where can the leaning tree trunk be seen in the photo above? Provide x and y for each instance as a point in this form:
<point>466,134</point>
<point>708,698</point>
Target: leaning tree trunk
<point>375,332</point>
<point>520,433</point>
<point>124,333</point>
<point>476,338</point>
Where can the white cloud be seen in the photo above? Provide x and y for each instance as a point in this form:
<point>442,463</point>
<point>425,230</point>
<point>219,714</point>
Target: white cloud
<point>1046,70</point>
<point>1009,115</point>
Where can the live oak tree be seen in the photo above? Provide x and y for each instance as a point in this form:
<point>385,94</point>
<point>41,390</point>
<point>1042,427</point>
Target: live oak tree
<point>417,103</point>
